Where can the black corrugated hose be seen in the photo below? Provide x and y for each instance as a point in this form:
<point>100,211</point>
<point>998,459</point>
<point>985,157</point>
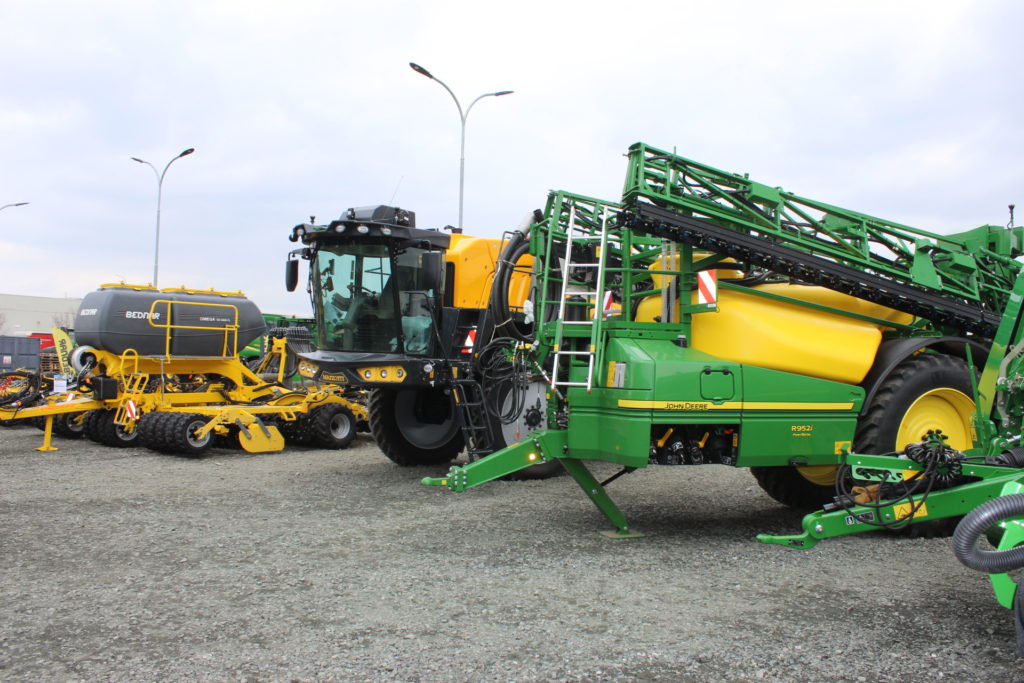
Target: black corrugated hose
<point>974,524</point>
<point>965,540</point>
<point>517,246</point>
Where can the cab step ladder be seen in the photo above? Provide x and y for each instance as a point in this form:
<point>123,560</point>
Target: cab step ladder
<point>476,428</point>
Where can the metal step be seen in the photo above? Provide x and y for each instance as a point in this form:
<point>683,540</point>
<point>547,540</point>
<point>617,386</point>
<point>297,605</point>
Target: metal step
<point>476,427</point>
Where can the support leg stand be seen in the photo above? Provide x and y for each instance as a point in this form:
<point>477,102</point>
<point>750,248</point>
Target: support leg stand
<point>47,435</point>
<point>600,498</point>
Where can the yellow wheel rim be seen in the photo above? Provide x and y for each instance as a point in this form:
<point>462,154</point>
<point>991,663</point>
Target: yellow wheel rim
<point>822,475</point>
<point>944,408</point>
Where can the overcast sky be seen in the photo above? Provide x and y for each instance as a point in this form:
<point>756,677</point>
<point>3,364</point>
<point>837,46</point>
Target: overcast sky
<point>911,111</point>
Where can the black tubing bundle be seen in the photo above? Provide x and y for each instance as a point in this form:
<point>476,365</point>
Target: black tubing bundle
<point>517,247</point>
<point>974,524</point>
<point>27,384</point>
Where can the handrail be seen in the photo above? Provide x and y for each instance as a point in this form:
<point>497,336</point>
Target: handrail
<point>230,330</point>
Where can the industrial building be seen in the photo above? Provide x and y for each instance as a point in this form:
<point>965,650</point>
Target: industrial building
<point>20,316</point>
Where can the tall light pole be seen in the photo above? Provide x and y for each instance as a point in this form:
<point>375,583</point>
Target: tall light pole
<point>159,198</point>
<point>18,204</point>
<point>463,115</point>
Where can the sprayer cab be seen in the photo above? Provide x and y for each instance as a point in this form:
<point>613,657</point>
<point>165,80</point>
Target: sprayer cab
<point>376,282</point>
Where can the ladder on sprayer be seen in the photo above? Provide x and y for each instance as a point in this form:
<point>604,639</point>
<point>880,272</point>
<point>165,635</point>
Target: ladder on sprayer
<point>574,295</point>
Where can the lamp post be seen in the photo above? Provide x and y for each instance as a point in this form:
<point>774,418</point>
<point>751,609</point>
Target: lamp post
<point>17,204</point>
<point>159,197</point>
<point>463,115</point>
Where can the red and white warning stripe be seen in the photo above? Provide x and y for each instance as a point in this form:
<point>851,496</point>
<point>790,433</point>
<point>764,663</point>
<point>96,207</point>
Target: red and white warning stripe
<point>609,305</point>
<point>470,341</point>
<point>707,287</point>
<point>129,408</point>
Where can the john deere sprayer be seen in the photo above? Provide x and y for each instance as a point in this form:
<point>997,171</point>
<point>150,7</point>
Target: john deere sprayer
<point>861,368</point>
<point>708,318</point>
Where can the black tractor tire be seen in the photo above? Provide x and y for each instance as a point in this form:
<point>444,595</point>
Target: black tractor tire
<point>332,425</point>
<point>297,432</point>
<point>177,434</point>
<point>788,486</point>
<point>149,431</point>
<point>174,433</point>
<point>415,427</point>
<point>69,425</point>
<point>506,435</point>
<point>877,432</point>
<point>100,427</point>
<point>877,429</point>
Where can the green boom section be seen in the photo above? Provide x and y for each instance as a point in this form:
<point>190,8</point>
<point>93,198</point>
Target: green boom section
<point>960,280</point>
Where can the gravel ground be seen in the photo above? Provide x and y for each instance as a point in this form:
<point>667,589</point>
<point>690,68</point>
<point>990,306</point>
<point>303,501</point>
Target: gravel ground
<point>123,564</point>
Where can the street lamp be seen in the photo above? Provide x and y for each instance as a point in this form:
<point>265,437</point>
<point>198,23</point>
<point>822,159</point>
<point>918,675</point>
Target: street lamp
<point>18,204</point>
<point>462,116</point>
<point>159,197</point>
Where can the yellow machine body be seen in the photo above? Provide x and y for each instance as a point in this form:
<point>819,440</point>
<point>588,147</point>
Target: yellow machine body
<point>474,260</point>
<point>790,337</point>
<point>221,387</point>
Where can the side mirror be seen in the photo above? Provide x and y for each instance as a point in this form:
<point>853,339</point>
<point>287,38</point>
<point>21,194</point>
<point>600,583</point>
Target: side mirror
<point>291,274</point>
<point>433,271</point>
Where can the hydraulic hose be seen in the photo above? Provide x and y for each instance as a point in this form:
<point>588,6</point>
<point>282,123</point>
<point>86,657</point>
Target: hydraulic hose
<point>517,246</point>
<point>27,388</point>
<point>974,524</point>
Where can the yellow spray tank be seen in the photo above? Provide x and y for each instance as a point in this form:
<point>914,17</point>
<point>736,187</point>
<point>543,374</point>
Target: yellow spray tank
<point>778,335</point>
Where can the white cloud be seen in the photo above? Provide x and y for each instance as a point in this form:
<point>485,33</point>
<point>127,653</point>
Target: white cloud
<point>905,110</point>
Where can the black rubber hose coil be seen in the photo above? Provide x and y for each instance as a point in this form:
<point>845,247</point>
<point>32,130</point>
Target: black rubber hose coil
<point>974,524</point>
